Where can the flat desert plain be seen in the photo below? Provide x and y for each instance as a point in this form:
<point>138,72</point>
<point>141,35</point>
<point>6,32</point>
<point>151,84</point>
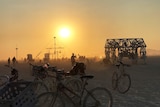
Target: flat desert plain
<point>145,80</point>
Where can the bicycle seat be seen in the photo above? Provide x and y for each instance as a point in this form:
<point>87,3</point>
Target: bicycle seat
<point>121,63</point>
<point>117,65</point>
<point>52,68</point>
<point>87,77</point>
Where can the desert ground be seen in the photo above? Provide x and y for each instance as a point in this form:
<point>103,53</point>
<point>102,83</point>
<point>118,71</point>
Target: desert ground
<point>145,87</point>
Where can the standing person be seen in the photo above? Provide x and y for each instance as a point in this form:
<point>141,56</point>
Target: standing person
<point>73,61</point>
<point>9,61</point>
<point>13,60</point>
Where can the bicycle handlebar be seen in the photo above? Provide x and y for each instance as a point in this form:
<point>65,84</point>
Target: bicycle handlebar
<point>121,63</point>
<point>30,64</point>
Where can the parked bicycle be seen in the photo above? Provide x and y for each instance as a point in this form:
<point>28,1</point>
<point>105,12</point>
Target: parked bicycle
<point>13,77</point>
<point>40,72</point>
<point>44,73</point>
<point>96,97</point>
<point>120,79</point>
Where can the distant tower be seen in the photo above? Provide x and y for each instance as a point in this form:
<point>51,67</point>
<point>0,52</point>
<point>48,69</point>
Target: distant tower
<point>16,52</point>
<point>55,47</point>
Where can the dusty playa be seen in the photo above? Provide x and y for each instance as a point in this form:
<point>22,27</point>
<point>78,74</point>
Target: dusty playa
<point>144,91</point>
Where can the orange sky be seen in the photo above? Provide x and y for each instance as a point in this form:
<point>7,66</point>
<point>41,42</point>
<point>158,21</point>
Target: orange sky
<point>30,25</point>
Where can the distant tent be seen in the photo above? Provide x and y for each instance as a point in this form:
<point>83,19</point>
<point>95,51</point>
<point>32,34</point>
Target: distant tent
<point>29,57</point>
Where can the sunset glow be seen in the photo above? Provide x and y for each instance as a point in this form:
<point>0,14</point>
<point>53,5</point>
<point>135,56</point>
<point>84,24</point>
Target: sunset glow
<point>80,26</point>
<point>64,32</point>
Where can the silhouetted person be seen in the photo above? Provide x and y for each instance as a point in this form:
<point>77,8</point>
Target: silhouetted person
<point>78,69</point>
<point>73,61</point>
<point>13,60</point>
<point>9,61</point>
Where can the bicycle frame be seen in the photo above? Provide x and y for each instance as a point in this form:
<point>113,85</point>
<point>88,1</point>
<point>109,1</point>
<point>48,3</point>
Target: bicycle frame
<point>119,76</point>
<point>122,71</point>
<point>62,88</point>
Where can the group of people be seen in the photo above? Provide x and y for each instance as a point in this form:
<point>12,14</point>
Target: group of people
<point>13,60</point>
<point>73,60</point>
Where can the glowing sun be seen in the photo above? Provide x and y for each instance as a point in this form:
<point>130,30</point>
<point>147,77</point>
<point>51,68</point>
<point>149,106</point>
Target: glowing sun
<point>64,32</point>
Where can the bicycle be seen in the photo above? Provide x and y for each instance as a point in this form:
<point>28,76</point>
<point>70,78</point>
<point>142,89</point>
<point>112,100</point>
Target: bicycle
<point>5,79</point>
<point>40,72</point>
<point>120,79</point>
<point>70,80</point>
<point>38,87</point>
<point>46,75</point>
<point>96,97</point>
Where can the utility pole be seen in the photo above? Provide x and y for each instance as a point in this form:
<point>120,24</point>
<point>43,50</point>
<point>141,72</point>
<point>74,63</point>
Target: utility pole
<point>57,50</point>
<point>16,52</point>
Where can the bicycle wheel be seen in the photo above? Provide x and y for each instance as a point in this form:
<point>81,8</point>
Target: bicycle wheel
<point>114,80</point>
<point>98,97</point>
<point>4,80</point>
<point>49,99</point>
<point>124,83</point>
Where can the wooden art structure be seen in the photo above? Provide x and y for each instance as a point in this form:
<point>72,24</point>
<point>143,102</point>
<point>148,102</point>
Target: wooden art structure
<point>116,49</point>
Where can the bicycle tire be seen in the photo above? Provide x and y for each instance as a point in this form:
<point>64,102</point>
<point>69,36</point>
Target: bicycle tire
<point>102,95</point>
<point>122,86</point>
<point>114,80</point>
<point>49,99</point>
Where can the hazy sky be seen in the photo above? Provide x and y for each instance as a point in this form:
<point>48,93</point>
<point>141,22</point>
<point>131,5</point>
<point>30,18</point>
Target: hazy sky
<point>30,25</point>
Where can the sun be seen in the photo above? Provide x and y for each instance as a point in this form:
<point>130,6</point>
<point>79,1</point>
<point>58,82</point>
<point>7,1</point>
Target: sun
<point>64,32</point>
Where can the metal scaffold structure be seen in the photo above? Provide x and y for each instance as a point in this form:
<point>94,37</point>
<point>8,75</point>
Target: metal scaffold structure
<point>116,49</point>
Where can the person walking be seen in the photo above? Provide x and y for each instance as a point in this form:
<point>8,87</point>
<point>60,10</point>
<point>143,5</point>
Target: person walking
<point>9,61</point>
<point>13,60</point>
